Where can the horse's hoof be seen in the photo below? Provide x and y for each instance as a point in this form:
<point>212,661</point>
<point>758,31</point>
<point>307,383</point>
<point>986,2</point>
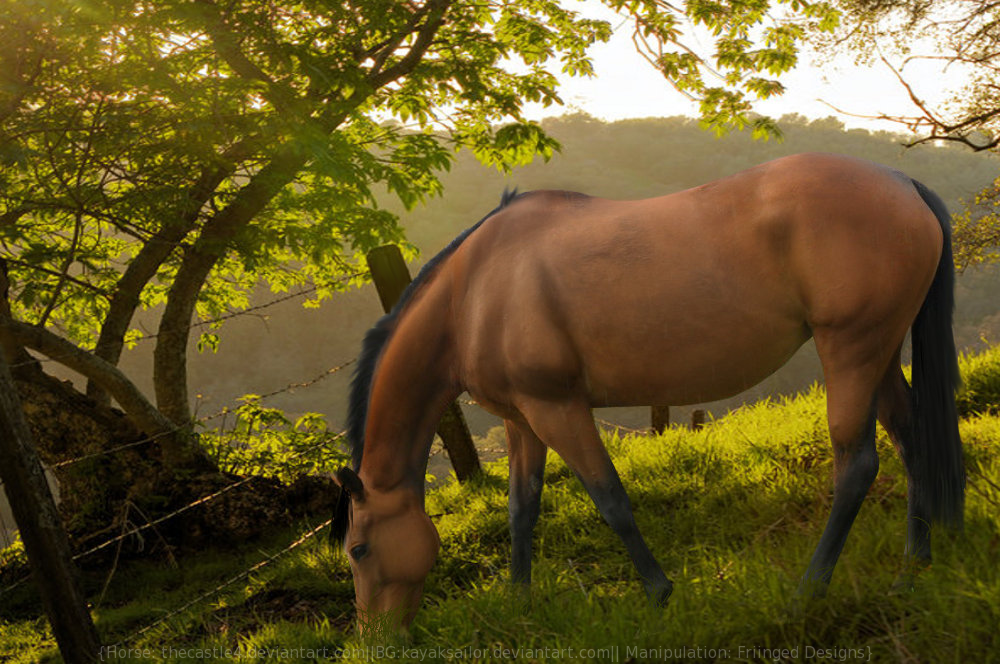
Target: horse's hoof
<point>811,589</point>
<point>906,580</point>
<point>520,594</point>
<point>905,583</point>
<point>809,592</point>
<point>661,595</point>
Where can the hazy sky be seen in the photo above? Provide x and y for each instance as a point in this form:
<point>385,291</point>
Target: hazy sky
<point>626,86</point>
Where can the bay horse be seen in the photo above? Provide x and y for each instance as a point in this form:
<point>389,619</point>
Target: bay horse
<point>557,302</point>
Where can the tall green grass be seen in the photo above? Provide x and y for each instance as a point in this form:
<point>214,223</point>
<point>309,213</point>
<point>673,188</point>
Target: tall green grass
<point>981,377</point>
<point>732,511</point>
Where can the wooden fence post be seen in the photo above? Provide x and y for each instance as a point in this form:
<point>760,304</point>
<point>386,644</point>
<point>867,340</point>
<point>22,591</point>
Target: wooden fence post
<point>659,417</point>
<point>41,529</point>
<point>391,278</point>
<point>697,419</point>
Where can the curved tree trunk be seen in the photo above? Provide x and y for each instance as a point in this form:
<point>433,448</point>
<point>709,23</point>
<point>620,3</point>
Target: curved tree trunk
<point>178,445</point>
<point>126,300</point>
<point>170,354</point>
<point>17,357</point>
<point>154,252</point>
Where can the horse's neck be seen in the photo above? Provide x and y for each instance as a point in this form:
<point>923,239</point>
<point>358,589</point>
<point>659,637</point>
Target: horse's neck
<point>410,392</point>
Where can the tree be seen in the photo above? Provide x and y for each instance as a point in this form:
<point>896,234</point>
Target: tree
<point>963,36</point>
<point>178,153</point>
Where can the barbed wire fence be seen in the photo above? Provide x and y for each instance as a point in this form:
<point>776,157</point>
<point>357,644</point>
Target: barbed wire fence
<point>137,530</point>
<point>302,292</point>
<point>217,590</point>
<point>131,530</point>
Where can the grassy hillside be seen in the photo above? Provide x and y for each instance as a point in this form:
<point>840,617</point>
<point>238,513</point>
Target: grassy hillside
<point>732,512</point>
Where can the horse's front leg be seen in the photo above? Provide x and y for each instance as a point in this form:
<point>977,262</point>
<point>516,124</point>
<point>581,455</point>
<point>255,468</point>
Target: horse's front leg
<point>569,429</point>
<point>526,455</point>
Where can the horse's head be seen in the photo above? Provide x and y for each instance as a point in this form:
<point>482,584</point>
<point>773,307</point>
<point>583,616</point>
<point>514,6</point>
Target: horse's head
<point>391,544</point>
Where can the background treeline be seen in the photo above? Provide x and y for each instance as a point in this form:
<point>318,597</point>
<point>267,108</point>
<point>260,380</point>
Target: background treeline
<point>625,159</point>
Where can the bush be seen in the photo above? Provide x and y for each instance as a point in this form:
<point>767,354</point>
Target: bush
<point>981,375</point>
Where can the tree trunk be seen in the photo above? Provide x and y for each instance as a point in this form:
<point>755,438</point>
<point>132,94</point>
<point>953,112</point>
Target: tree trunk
<point>42,532</point>
<point>16,356</point>
<point>170,354</point>
<point>113,479</point>
<point>154,252</point>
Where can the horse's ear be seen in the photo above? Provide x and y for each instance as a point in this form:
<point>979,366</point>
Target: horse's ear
<point>351,483</point>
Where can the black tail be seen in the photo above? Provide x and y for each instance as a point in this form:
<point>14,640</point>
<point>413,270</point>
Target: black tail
<point>937,463</point>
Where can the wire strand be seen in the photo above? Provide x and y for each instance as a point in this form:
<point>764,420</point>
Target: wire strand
<point>197,502</point>
<point>200,501</point>
<point>225,584</point>
<point>203,323</point>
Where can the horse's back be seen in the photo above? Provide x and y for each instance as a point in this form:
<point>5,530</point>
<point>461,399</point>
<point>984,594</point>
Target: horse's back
<point>692,296</point>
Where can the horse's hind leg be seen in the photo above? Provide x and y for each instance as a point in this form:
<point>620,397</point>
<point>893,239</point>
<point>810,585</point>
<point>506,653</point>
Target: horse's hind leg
<point>569,429</point>
<point>851,387</point>
<point>527,467</point>
<point>895,412</point>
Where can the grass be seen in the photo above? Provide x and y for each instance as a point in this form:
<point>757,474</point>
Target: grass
<point>981,374</point>
<point>732,511</point>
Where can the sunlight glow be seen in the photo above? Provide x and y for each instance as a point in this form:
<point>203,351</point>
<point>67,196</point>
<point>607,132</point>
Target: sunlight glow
<point>625,85</point>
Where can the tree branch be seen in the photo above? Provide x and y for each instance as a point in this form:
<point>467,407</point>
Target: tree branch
<point>64,270</point>
<point>381,52</point>
<point>19,83</point>
<point>284,99</point>
<point>17,357</point>
<point>919,103</point>
<point>12,216</point>
<point>142,413</point>
<point>156,250</point>
<point>169,356</point>
<point>939,129</point>
<point>58,275</point>
<point>436,11</point>
<point>956,138</point>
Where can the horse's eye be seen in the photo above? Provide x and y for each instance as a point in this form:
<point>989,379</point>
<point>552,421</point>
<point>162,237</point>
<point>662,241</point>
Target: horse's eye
<point>360,551</point>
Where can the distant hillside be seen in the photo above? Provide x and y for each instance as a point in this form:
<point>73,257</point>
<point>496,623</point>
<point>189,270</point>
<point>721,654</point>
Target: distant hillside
<point>626,159</point>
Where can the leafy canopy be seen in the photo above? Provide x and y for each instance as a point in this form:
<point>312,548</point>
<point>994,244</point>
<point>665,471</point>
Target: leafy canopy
<point>121,118</point>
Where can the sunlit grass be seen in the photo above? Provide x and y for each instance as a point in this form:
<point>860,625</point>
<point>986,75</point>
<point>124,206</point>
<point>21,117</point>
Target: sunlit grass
<point>981,376</point>
<point>732,511</point>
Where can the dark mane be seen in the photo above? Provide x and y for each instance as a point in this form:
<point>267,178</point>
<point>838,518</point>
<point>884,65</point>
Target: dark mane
<point>378,336</point>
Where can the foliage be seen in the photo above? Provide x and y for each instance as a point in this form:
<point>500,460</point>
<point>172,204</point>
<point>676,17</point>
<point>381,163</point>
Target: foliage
<point>732,511</point>
<point>180,153</point>
<point>14,556</point>
<point>976,229</point>
<point>962,38</point>
<point>980,393</point>
<point>264,441</point>
<point>751,49</point>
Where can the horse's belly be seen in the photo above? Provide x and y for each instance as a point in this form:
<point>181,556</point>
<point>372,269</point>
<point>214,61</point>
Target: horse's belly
<point>694,370</point>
